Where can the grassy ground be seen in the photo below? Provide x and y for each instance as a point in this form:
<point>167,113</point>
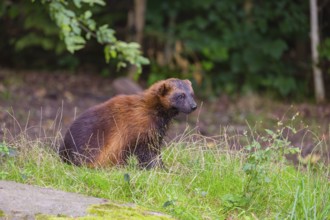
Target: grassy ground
<point>204,180</point>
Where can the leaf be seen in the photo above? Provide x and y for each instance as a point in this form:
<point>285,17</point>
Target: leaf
<point>88,35</point>
<point>79,40</point>
<point>87,14</point>
<point>4,149</point>
<point>203,193</point>
<point>113,53</point>
<point>105,35</point>
<point>267,179</point>
<point>270,132</point>
<point>12,152</point>
<point>75,27</point>
<point>69,13</point>
<point>92,2</point>
<point>24,176</point>
<point>127,178</point>
<point>248,147</point>
<point>248,168</point>
<point>121,65</point>
<point>77,3</point>
<point>133,45</point>
<point>324,48</point>
<point>233,200</point>
<point>168,203</point>
<point>107,54</point>
<point>274,48</point>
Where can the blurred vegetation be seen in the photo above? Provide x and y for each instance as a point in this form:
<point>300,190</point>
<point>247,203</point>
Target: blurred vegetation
<point>224,46</point>
<point>73,22</point>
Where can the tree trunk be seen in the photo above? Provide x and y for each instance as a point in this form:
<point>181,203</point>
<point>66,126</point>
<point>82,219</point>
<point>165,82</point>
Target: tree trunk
<point>136,21</point>
<point>315,40</point>
<point>139,14</point>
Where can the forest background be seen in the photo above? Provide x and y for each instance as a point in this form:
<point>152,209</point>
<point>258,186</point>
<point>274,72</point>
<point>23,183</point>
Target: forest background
<point>225,47</point>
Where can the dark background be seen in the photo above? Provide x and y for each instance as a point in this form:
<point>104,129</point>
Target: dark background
<point>225,47</point>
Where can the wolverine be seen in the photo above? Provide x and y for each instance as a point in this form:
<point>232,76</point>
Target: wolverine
<point>108,133</point>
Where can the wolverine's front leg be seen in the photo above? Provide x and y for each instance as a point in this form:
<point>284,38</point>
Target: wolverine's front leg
<point>149,158</point>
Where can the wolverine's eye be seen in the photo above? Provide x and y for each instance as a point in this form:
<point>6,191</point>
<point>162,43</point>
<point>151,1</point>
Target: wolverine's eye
<point>181,96</point>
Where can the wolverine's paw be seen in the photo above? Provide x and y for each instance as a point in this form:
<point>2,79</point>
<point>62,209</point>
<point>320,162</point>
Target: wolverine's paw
<point>154,164</point>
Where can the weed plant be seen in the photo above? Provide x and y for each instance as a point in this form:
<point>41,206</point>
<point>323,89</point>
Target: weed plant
<point>204,179</point>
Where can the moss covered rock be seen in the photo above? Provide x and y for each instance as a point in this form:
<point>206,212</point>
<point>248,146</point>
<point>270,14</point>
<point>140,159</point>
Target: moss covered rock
<point>114,211</point>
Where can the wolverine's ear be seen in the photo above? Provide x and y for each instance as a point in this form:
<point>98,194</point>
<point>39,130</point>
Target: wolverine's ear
<point>163,89</point>
<point>187,81</point>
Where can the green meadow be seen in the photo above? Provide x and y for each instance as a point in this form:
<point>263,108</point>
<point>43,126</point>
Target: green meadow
<point>204,178</point>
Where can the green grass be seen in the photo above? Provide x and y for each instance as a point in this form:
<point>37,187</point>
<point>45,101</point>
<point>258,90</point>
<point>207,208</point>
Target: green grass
<point>204,180</point>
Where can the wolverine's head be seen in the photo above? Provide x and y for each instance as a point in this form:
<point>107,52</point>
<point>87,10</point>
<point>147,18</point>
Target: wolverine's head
<point>177,95</point>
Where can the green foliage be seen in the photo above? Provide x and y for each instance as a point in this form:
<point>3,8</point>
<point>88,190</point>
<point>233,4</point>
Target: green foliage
<point>230,46</point>
<point>241,45</point>
<point>259,158</point>
<point>203,182</point>
<point>40,31</point>
<point>30,38</point>
<point>37,26</point>
<point>325,49</point>
<point>258,165</point>
<point>73,26</point>
<point>4,150</point>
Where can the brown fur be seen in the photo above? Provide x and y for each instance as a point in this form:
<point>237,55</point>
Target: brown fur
<point>108,133</point>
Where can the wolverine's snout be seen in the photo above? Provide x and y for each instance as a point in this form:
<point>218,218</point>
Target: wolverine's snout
<point>193,106</point>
